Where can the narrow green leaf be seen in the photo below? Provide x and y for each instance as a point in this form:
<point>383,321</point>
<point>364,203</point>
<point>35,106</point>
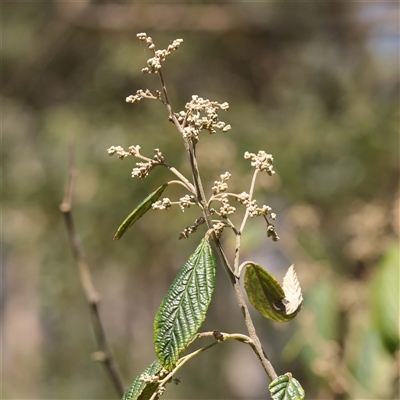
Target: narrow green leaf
<point>185,305</point>
<point>285,387</point>
<point>266,294</point>
<point>139,211</point>
<point>140,390</point>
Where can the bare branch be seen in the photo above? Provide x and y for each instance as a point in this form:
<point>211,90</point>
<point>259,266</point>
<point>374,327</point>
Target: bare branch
<point>92,296</point>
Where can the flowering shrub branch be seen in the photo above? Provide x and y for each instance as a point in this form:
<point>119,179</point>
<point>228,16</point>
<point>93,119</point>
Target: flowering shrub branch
<point>184,307</point>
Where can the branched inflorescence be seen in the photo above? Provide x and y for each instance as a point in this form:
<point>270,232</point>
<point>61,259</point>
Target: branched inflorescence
<point>143,94</point>
<point>154,63</point>
<point>199,114</point>
<point>142,170</point>
<point>261,161</point>
<point>222,185</point>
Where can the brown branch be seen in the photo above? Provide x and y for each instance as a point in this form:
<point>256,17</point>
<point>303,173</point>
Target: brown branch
<point>92,296</point>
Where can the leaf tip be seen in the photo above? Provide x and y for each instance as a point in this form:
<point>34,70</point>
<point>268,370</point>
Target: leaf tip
<point>117,236</point>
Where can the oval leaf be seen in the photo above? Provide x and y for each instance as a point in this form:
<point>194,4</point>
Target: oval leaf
<point>285,387</point>
<point>185,305</point>
<point>140,390</point>
<point>139,211</point>
<point>267,296</point>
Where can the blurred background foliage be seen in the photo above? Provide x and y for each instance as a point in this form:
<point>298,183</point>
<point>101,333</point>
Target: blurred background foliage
<point>316,84</point>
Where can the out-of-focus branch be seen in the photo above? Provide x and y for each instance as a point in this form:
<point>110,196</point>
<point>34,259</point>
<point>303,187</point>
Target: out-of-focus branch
<point>92,296</point>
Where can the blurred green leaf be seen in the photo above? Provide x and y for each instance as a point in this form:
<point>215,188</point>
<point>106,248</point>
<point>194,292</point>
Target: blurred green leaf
<point>385,298</point>
<point>370,363</point>
<point>139,211</point>
<point>322,302</point>
<point>140,390</point>
<point>185,305</point>
<point>266,294</point>
<point>321,310</point>
<point>285,387</point>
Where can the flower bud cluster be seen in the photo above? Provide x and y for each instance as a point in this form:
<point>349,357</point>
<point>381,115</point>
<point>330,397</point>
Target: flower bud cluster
<point>154,63</point>
<point>186,201</point>
<point>143,170</point>
<point>133,151</point>
<point>194,120</point>
<point>192,228</point>
<point>262,161</point>
<point>221,186</point>
<point>143,94</point>
<point>255,211</point>
<point>121,153</point>
<point>226,209</point>
<point>218,228</point>
<point>158,157</point>
<point>146,378</point>
<point>163,204</point>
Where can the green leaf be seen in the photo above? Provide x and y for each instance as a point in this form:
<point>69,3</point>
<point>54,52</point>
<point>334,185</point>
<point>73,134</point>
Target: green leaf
<point>185,305</point>
<point>285,387</point>
<point>139,211</point>
<point>385,298</point>
<point>322,303</point>
<point>369,361</point>
<point>267,295</point>
<point>140,390</point>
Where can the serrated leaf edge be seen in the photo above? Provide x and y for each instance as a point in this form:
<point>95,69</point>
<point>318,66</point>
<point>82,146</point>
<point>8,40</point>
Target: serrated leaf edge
<point>138,386</point>
<point>203,248</point>
<point>280,388</point>
<point>291,287</point>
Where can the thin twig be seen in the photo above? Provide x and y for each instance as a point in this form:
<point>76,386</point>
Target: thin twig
<point>219,337</point>
<point>246,215</point>
<point>92,296</point>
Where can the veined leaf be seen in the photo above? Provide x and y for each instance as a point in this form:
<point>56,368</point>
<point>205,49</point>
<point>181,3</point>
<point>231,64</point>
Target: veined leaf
<point>277,303</point>
<point>285,387</point>
<point>185,305</point>
<point>140,390</point>
<point>139,211</point>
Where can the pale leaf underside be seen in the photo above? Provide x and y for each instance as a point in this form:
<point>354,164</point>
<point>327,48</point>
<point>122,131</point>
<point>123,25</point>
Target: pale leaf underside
<point>293,296</point>
<point>275,302</point>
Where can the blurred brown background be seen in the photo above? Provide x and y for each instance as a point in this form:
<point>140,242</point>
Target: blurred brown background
<point>314,83</point>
